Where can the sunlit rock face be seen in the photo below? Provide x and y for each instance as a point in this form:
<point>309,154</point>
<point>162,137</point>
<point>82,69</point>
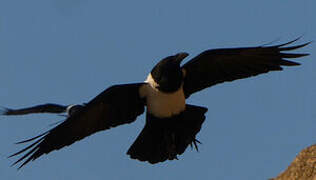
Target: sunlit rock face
<point>302,168</point>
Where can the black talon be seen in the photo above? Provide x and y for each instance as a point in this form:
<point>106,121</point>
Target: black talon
<point>198,141</point>
<point>195,145</point>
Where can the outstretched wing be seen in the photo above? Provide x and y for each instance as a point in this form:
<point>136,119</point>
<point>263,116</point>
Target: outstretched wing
<point>219,65</point>
<point>119,104</point>
<point>44,108</point>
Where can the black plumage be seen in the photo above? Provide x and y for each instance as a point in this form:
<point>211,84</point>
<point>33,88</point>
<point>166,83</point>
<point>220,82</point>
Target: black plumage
<point>43,108</point>
<point>220,65</point>
<point>171,124</point>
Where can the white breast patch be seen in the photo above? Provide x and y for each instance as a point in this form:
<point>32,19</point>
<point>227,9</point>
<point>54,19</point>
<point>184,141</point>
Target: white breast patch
<point>162,104</point>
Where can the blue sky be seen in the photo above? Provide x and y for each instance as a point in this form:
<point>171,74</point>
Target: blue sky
<point>68,51</point>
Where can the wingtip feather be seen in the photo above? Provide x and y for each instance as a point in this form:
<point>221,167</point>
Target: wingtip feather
<point>3,110</point>
<point>31,139</point>
<point>282,48</point>
<point>294,47</point>
<point>290,42</point>
<point>31,152</point>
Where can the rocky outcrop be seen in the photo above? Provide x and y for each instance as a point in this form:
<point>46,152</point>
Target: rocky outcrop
<point>302,168</point>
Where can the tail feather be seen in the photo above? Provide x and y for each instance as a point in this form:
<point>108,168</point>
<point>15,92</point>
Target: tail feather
<point>164,139</point>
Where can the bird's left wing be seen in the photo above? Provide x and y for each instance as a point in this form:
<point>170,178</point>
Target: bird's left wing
<point>219,65</point>
<point>43,108</point>
<point>119,104</point>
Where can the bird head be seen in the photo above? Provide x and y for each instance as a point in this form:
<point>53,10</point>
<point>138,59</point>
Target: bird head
<point>72,109</point>
<point>167,73</point>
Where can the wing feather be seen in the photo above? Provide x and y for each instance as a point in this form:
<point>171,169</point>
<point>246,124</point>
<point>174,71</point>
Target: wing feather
<point>44,108</point>
<point>117,105</point>
<point>220,65</point>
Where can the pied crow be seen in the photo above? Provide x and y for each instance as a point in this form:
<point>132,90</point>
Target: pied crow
<point>43,108</point>
<point>171,124</point>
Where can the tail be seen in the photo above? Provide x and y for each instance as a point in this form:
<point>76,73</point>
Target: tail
<point>165,138</point>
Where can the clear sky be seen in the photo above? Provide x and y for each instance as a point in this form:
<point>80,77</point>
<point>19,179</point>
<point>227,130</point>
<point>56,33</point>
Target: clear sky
<point>68,51</point>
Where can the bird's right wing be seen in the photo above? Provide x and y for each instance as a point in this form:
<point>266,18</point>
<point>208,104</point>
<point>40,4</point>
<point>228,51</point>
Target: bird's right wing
<point>44,108</point>
<point>221,65</point>
<point>119,104</point>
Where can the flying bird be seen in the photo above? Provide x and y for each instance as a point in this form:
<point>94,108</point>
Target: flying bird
<point>171,124</point>
<point>43,108</point>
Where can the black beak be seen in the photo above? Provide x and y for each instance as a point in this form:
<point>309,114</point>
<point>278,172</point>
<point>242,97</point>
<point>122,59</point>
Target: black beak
<point>181,56</point>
